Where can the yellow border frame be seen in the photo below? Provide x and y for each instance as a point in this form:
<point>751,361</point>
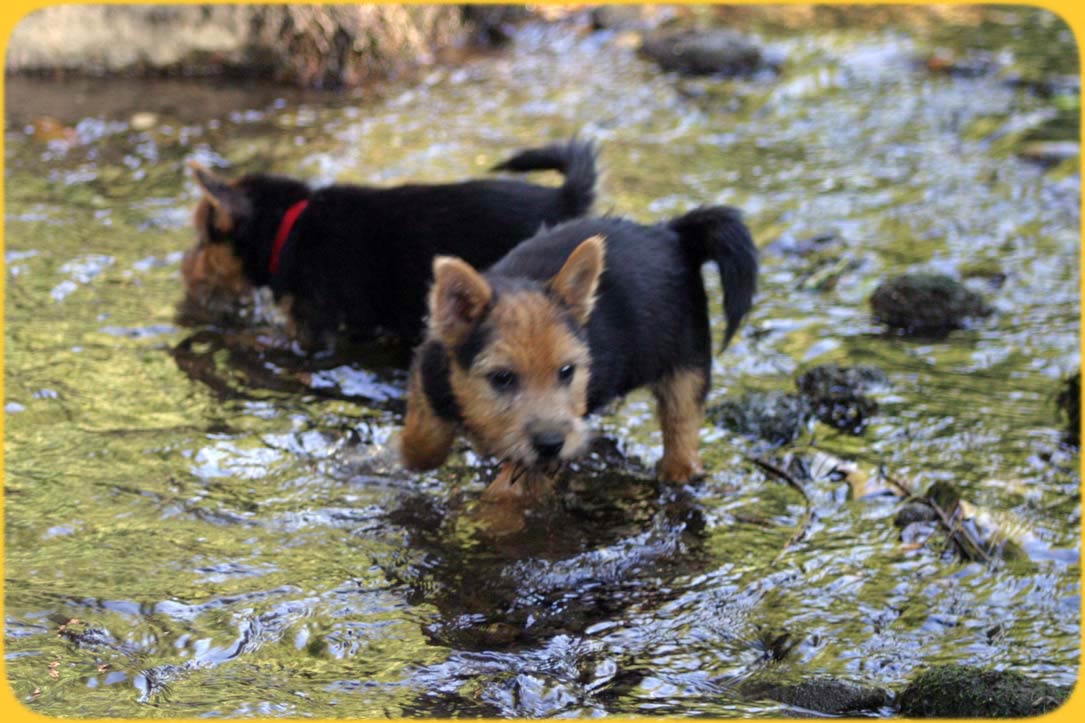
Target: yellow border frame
<point>1072,13</point>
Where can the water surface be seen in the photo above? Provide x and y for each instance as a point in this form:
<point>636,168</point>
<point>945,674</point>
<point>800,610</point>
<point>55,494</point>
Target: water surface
<point>201,523</point>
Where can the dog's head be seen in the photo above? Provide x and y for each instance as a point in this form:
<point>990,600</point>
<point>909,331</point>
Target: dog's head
<point>212,269</point>
<point>519,361</point>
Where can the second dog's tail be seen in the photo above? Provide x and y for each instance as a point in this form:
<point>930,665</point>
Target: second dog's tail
<point>575,159</point>
<point>718,233</point>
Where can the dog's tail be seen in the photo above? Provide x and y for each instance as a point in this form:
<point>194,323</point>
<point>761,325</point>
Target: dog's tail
<point>575,159</point>
<point>718,233</point>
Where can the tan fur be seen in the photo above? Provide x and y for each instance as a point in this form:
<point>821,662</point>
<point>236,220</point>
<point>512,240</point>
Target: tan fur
<point>578,279</point>
<point>530,338</point>
<point>208,268</point>
<point>457,300</point>
<point>427,439</point>
<point>681,411</point>
<point>534,342</point>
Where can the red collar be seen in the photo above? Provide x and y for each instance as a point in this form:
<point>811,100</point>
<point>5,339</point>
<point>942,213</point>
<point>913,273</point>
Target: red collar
<point>289,218</point>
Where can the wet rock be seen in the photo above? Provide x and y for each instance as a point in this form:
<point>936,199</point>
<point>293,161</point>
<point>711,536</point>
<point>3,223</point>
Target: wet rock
<point>961,691</point>
<point>707,52</point>
<point>824,695</point>
<point>776,417</point>
<point>926,303</point>
<point>944,494</point>
<point>837,396</point>
<point>1069,403</point>
<point>914,512</point>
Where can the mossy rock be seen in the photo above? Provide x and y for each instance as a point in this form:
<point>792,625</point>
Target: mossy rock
<point>1069,402</point>
<point>926,303</point>
<point>824,695</point>
<point>944,494</point>
<point>708,52</point>
<point>961,691</point>
<point>776,417</point>
<point>914,512</point>
<point>837,396</point>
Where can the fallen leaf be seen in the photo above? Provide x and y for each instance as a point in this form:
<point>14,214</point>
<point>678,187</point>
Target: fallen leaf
<point>50,129</point>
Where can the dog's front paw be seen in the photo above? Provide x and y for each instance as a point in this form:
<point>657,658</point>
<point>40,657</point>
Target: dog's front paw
<point>672,469</point>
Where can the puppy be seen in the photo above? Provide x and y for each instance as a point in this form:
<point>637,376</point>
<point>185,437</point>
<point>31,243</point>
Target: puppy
<point>569,320</point>
<point>361,257</point>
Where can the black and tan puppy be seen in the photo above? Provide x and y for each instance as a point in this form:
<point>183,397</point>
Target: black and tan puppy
<point>361,257</point>
<point>569,320</point>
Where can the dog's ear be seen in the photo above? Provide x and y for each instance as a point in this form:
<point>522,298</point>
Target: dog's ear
<point>578,279</point>
<point>229,201</point>
<point>458,299</point>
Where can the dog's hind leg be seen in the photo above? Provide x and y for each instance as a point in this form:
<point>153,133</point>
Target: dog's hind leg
<point>680,406</point>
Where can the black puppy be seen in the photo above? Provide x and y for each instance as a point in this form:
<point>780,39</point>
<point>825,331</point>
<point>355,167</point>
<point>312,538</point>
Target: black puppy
<point>362,256</point>
<point>516,358</point>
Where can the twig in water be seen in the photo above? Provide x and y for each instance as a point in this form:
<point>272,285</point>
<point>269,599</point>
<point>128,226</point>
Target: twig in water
<point>959,535</point>
<point>970,547</point>
<point>904,489</point>
<point>804,523</point>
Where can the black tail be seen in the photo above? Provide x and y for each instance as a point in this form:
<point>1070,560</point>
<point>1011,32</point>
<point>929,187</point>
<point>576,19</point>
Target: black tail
<point>718,233</point>
<point>575,159</point>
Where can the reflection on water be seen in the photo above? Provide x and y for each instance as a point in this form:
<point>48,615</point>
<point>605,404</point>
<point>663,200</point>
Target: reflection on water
<point>199,522</point>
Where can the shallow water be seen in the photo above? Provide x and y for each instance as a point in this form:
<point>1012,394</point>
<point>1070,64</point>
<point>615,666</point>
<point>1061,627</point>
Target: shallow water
<point>226,523</point>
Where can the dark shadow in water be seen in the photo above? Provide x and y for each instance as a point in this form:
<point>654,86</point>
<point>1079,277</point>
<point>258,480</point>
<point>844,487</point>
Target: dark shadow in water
<point>611,540</point>
<point>610,534</point>
<point>237,359</point>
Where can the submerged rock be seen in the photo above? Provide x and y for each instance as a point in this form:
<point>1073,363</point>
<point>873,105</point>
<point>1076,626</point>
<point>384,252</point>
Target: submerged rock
<point>824,695</point>
<point>837,394</point>
<point>776,417</point>
<point>914,512</point>
<point>961,691</point>
<point>707,52</point>
<point>926,303</point>
<point>1069,401</point>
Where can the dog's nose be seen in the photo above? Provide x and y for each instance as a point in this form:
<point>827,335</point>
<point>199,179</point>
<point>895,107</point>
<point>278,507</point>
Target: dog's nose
<point>548,444</point>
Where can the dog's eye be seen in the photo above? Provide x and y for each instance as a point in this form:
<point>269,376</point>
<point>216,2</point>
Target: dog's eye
<point>565,374</point>
<point>502,380</point>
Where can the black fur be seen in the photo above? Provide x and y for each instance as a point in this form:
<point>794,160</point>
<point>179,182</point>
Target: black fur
<point>651,312</point>
<point>433,361</point>
<point>362,256</point>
